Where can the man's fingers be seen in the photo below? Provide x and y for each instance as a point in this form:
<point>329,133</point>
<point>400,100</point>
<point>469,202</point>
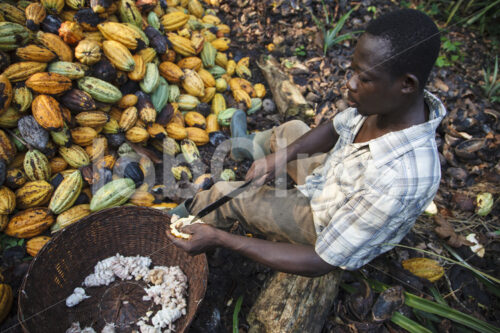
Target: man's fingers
<point>177,241</point>
<point>188,229</point>
<point>259,181</point>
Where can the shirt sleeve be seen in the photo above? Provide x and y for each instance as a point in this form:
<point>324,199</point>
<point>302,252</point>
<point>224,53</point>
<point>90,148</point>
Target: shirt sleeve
<point>356,230</point>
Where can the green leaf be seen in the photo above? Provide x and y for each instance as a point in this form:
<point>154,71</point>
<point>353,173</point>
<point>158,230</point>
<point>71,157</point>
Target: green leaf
<point>408,324</point>
<point>288,64</point>
<point>236,312</point>
<point>425,305</point>
<point>482,12</point>
<point>7,241</point>
<point>437,296</point>
<point>454,10</point>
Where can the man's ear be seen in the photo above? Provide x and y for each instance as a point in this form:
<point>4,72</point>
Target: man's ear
<point>410,84</point>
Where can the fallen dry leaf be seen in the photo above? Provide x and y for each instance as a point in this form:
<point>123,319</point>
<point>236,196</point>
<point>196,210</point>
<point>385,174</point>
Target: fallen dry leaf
<point>446,232</point>
<point>441,85</point>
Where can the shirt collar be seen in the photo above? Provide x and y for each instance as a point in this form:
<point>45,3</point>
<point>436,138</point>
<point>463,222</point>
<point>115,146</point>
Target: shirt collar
<point>394,144</point>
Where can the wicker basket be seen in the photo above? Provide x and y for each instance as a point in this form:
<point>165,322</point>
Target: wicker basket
<point>70,256</point>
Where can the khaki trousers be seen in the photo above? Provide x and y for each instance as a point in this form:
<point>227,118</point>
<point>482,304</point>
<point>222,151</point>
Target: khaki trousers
<point>279,214</point>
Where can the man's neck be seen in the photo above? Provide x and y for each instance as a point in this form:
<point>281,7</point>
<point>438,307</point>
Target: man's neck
<point>414,113</point>
<point>375,126</point>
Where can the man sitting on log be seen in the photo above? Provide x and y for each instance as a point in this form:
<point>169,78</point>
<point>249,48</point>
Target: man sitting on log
<point>362,179</point>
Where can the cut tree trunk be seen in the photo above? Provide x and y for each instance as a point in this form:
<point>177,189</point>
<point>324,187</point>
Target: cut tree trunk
<point>293,303</point>
<point>286,95</point>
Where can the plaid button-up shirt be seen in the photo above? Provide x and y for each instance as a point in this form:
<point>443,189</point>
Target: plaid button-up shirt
<point>369,194</point>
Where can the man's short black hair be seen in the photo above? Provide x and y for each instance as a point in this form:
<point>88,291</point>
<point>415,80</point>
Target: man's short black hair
<point>414,40</point>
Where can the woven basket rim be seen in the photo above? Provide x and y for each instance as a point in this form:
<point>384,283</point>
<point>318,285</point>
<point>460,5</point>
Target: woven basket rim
<point>88,219</point>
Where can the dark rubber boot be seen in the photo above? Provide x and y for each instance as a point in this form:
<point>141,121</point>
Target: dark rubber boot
<point>247,146</point>
<point>181,210</point>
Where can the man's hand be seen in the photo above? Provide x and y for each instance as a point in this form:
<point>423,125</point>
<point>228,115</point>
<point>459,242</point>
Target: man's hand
<point>203,238</point>
<point>264,169</point>
<point>285,257</point>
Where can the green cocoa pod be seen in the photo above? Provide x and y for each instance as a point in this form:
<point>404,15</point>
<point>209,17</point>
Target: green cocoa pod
<point>113,194</point>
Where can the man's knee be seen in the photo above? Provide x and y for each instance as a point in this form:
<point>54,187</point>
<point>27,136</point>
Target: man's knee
<point>287,133</point>
<point>223,188</point>
<point>296,125</point>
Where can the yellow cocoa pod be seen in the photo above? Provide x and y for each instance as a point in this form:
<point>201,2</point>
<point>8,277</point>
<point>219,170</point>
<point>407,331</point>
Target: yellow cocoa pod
<point>212,123</point>
<point>223,29</point>
<point>231,67</point>
<point>35,14</point>
<point>21,71</point>
<point>424,267</point>
<point>127,101</point>
<point>174,21</point>
<point>66,193</point>
<point>6,93</point>
<point>83,136</point>
<point>137,134</point>
<point>171,72</point>
<point>177,118</point>
<point>53,6</point>
<point>4,220</point>
<point>33,194</point>
<point>35,53</point>
<point>221,59</point>
<point>237,83</point>
<point>47,112</point>
<point>193,83</point>
<point>6,299</point>
<point>196,8</point>
<point>92,119</point>
<point>207,78</point>
<point>198,40</point>
<point>88,52</point>
<point>260,90</point>
<point>194,119</point>
<point>94,36</point>
<point>148,54</point>
<point>164,205</point>
<point>56,45</point>
<point>121,33</point>
<point>128,118</point>
<point>58,164</point>
<point>71,32</point>
<point>75,156</point>
<point>48,83</point>
<point>97,149</point>
<point>211,19</point>
<point>7,200</point>
<point>34,245</point>
<point>176,131</point>
<point>218,104</point>
<point>220,85</point>
<point>181,45</point>
<point>29,223</point>
<point>72,215</point>
<point>241,95</point>
<point>137,74</point>
<point>119,55</point>
<point>142,198</point>
<point>209,95</point>
<point>193,63</point>
<point>197,135</point>
<point>221,44</point>
<point>156,131</point>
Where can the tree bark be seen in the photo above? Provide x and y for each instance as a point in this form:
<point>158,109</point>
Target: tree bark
<point>293,303</point>
<point>286,95</point>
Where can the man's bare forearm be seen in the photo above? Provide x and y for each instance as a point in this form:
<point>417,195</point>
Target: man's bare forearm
<point>318,140</point>
<point>284,257</point>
